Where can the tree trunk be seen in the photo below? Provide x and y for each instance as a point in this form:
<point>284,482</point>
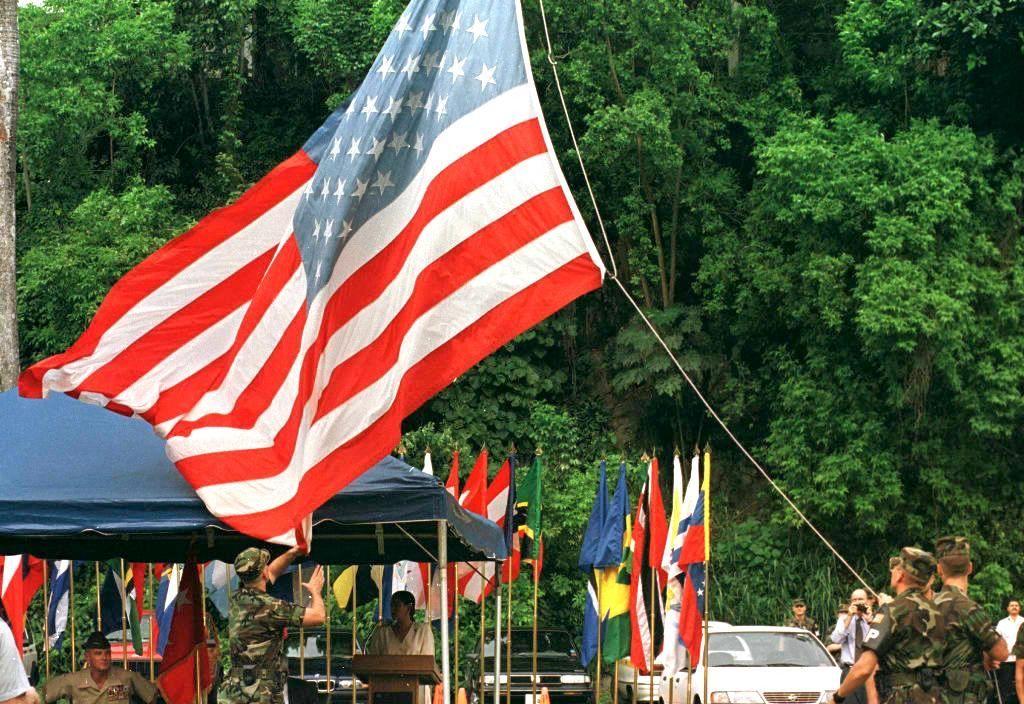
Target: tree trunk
<point>9,365</point>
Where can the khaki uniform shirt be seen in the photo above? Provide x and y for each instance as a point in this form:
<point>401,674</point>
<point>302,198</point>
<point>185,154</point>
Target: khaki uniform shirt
<point>80,688</point>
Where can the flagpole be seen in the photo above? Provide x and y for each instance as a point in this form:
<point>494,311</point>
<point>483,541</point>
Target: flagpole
<point>327,624</point>
<point>124,620</point>
<point>442,565</point>
<point>99,613</point>
<point>355,625</point>
<point>483,629</point>
<point>536,580</point>
<point>152,618</point>
<point>615,683</point>
<point>508,643</point>
<point>455,609</point>
<point>600,618</point>
<point>302,630</point>
<point>707,560</point>
<point>202,604</point>
<point>71,614</point>
<point>654,625</point>
<point>46,615</point>
<point>497,637</point>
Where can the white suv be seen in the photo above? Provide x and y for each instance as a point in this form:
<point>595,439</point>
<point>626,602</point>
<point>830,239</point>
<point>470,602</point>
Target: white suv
<point>759,665</point>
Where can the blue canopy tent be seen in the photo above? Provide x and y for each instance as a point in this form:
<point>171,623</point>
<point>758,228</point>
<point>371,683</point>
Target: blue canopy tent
<point>77,481</point>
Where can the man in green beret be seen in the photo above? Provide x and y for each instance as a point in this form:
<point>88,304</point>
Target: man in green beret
<point>800,619</point>
<point>100,682</point>
<point>906,638</point>
<point>259,673</point>
<point>970,634</point>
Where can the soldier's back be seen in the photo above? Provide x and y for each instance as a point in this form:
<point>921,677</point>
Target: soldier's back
<point>969,633</point>
<point>907,635</point>
<point>258,674</point>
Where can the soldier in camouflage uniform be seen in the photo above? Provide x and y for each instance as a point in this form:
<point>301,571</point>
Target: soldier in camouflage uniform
<point>800,619</point>
<point>905,640</point>
<point>259,673</point>
<point>970,633</point>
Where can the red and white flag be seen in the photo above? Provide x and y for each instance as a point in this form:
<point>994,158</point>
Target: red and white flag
<point>478,583</point>
<point>186,644</point>
<point>279,343</point>
<point>640,636</point>
<point>21,576</point>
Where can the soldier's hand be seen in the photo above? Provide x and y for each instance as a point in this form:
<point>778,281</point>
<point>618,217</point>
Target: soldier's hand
<point>316,581</point>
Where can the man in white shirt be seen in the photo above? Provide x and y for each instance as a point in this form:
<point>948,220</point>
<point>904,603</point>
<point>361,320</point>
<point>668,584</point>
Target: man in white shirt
<point>850,631</point>
<point>1007,628</point>
<point>14,686</point>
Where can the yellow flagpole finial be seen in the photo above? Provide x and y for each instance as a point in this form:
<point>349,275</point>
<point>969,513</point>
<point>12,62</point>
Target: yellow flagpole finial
<point>512,448</point>
<point>427,450</point>
<point>675,451</point>
<point>645,457</point>
<point>538,452</point>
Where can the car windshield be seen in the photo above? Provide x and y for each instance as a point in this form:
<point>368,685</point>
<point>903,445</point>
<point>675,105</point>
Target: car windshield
<point>549,643</point>
<point>766,649</point>
<point>316,645</point>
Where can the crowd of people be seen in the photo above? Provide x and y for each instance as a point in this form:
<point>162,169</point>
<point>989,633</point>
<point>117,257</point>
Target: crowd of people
<point>925,644</point>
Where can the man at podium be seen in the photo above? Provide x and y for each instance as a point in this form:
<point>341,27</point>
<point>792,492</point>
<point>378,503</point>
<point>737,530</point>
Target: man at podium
<point>403,636</point>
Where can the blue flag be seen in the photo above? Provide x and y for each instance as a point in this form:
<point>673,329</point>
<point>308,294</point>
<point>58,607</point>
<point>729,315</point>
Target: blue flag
<point>166,595</point>
<point>588,559</point>
<point>57,613</point>
<point>609,551</point>
<point>592,538</point>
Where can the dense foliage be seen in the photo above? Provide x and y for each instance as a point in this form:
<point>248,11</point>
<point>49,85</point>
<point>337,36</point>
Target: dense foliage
<point>820,204</point>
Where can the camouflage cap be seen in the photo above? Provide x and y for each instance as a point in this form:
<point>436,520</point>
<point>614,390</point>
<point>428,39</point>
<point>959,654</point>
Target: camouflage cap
<point>952,545</point>
<point>250,563</point>
<point>799,602</point>
<point>917,563</point>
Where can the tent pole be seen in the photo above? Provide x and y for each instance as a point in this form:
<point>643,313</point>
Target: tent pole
<point>442,564</point>
<point>483,630</point>
<point>508,643</point>
<point>71,615</point>
<point>46,615</point>
<point>202,602</point>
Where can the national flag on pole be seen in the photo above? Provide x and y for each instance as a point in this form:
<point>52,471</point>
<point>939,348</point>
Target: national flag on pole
<point>344,584</point>
<point>452,486</point>
<point>428,464</point>
<point>640,638</point>
<point>658,530</point>
<point>166,595</point>
<point>586,563</point>
<point>615,580</point>
<point>57,613</point>
<point>529,523</point>
<point>510,567</point>
<point>694,545</point>
<point>691,613</point>
<point>117,607</point>
<point>670,555</point>
<point>219,579</point>
<point>474,499</point>
<point>21,576</point>
<point>670,657</point>
<point>477,587</point>
<point>186,645</point>
<point>279,343</point>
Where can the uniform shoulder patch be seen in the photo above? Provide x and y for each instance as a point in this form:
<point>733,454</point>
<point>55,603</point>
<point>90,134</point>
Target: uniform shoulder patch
<point>878,618</point>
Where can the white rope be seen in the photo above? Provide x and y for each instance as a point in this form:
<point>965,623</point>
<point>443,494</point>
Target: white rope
<point>654,331</point>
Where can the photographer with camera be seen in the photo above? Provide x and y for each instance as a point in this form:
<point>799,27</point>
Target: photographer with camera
<point>850,632</point>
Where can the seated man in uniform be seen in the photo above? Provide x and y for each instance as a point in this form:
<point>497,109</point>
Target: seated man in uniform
<point>99,682</point>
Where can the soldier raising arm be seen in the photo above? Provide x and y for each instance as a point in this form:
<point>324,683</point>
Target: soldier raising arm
<point>259,673</point>
<point>905,640</point>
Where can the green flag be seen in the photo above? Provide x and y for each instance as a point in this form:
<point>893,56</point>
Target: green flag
<point>125,595</point>
<point>528,513</point>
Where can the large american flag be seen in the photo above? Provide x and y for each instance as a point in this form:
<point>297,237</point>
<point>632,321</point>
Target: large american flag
<point>278,345</point>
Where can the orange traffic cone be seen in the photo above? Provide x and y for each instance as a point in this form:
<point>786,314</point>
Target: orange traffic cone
<point>545,698</point>
<point>438,694</point>
<point>461,698</point>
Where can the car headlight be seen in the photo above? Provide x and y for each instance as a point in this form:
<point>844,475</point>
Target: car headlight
<point>489,679</point>
<point>826,696</point>
<point>574,679</point>
<point>346,684</point>
<point>736,698</point>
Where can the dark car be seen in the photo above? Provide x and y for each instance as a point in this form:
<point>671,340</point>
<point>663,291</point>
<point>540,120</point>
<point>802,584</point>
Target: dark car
<point>558,669</point>
<point>309,664</point>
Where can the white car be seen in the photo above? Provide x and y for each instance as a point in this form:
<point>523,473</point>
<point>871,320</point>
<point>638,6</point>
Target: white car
<point>759,665</point>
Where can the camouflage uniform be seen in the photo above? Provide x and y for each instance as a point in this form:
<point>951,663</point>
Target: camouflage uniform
<point>259,672</point>
<point>907,636</point>
<point>807,623</point>
<point>969,634</point>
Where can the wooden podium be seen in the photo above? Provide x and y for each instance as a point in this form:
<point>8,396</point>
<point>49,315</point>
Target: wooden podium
<point>396,679</point>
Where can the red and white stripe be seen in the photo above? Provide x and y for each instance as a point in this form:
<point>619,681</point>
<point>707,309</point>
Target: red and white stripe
<point>270,404</point>
<point>473,586</point>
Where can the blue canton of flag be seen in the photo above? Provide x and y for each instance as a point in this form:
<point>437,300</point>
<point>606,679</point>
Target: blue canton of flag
<point>443,60</point>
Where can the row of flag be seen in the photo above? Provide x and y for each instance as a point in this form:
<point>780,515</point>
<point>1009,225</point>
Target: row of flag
<point>620,547</point>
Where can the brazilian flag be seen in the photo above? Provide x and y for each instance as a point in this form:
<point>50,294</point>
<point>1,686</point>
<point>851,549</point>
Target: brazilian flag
<point>615,577</point>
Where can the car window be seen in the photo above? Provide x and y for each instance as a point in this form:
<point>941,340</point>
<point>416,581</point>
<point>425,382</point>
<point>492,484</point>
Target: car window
<point>766,649</point>
<point>316,645</point>
<point>549,643</point>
